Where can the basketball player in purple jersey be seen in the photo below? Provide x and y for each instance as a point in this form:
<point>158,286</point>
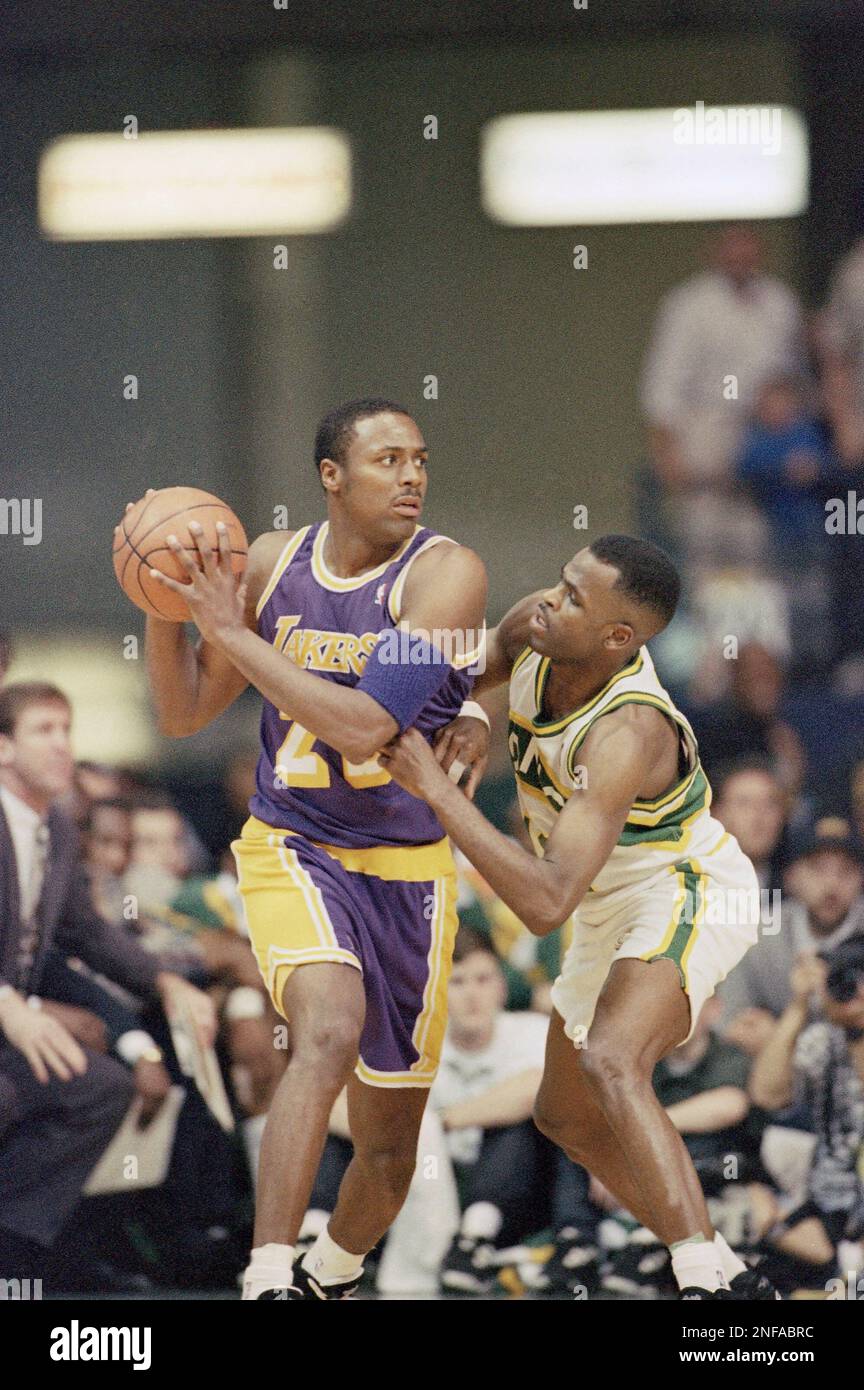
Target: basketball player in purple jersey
<point>347,879</point>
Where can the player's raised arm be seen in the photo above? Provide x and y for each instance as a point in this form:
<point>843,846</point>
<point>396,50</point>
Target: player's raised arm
<point>617,758</point>
<point>194,683</point>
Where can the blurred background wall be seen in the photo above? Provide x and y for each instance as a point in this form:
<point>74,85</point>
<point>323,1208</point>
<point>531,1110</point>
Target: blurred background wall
<point>536,362</point>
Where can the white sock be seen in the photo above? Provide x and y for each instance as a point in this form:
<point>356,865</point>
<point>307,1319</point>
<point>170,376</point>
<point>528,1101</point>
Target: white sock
<point>269,1267</point>
<point>697,1263</point>
<point>329,1263</point>
<point>732,1263</point>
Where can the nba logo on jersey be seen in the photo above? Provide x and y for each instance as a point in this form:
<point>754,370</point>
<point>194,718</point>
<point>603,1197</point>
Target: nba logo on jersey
<point>379,594</point>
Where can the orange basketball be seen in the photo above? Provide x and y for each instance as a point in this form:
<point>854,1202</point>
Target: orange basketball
<point>141,544</point>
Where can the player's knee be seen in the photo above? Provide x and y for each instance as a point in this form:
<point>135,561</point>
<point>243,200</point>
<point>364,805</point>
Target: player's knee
<point>326,1046</point>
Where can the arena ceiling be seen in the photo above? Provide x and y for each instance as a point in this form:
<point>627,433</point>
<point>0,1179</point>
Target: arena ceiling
<point>89,28</point>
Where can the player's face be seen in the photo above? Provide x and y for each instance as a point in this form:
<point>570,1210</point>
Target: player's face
<point>582,616</point>
<point>383,479</point>
<point>39,751</point>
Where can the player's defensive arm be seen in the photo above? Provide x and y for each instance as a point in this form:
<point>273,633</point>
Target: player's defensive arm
<point>194,683</point>
<point>617,757</point>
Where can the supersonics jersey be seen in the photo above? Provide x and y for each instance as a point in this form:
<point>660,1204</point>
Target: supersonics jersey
<point>329,625</point>
<point>545,756</point>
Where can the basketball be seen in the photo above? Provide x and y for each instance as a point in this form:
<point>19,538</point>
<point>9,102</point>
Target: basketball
<point>141,544</point>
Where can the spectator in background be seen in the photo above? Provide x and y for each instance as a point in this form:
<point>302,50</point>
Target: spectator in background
<point>160,848</point>
<point>750,803</point>
<point>158,865</point>
<point>822,906</point>
<point>717,339</point>
<point>843,377</point>
<point>106,839</point>
<point>856,799</point>
<point>842,341</point>
<point>748,721</point>
<point>784,455</point>
<point>821,1061</point>
<point>59,1103</point>
<point>92,782</point>
<point>785,461</point>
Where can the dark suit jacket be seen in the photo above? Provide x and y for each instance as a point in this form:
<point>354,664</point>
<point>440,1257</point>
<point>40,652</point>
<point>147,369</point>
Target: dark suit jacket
<point>70,923</point>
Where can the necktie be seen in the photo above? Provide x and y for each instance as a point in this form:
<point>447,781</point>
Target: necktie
<point>29,938</point>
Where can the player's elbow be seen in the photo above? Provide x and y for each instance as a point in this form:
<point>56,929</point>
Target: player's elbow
<point>358,746</point>
<point>367,734</point>
<point>552,902</point>
<point>357,750</point>
<point>548,912</point>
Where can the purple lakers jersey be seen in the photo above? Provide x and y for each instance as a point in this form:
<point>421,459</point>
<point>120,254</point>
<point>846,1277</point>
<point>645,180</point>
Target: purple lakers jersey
<point>329,625</point>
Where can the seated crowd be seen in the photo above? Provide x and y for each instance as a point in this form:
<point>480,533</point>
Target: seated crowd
<point>121,930</point>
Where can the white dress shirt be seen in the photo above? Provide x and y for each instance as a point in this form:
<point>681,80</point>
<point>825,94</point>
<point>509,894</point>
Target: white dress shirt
<point>24,824</point>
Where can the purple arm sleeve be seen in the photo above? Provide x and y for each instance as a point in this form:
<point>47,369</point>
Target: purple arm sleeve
<point>402,674</point>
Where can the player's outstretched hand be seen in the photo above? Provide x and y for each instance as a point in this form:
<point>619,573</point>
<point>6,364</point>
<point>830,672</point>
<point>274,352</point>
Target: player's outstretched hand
<point>464,743</point>
<point>411,762</point>
<point>216,600</point>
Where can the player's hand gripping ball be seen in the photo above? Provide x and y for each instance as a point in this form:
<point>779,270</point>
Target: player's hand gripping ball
<point>141,544</point>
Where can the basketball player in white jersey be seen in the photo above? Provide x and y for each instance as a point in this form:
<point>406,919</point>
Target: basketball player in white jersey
<point>664,902</point>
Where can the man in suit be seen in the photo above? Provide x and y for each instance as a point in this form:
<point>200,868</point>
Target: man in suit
<point>60,1102</point>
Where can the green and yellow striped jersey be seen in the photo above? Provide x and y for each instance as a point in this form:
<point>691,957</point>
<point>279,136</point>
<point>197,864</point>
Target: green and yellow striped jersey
<point>545,756</point>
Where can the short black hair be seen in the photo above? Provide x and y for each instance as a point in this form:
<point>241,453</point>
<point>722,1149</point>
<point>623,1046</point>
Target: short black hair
<point>333,434</point>
<point>647,575</point>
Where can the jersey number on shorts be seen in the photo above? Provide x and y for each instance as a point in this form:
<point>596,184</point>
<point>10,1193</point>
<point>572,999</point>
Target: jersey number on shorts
<point>298,765</point>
